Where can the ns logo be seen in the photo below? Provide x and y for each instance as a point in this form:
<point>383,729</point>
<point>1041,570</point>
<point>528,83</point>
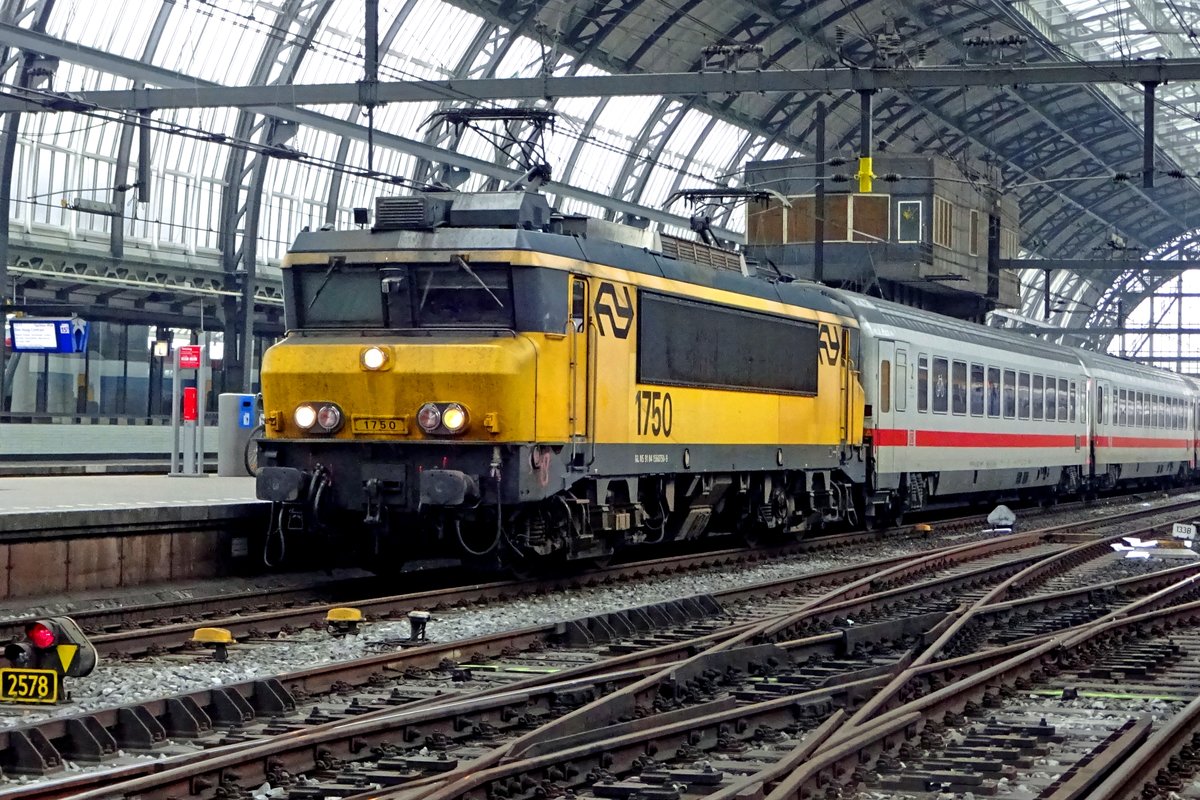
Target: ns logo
<point>829,345</point>
<point>616,308</point>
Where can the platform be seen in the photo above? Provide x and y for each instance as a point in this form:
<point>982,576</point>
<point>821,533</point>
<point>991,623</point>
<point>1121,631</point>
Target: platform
<point>73,532</point>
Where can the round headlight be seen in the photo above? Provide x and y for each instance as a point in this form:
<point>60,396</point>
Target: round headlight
<point>329,417</point>
<point>374,358</point>
<point>454,418</point>
<point>305,416</point>
<point>429,418</point>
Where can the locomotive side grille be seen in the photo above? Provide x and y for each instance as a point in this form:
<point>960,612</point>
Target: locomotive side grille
<point>699,253</point>
<point>409,213</point>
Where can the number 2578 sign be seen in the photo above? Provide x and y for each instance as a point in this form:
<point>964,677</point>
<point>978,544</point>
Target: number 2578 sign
<point>28,686</point>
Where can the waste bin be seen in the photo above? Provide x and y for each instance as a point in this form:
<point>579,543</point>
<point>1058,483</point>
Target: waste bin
<point>236,420</point>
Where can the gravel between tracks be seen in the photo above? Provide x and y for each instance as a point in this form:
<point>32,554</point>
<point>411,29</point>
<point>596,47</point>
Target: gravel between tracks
<point>118,683</point>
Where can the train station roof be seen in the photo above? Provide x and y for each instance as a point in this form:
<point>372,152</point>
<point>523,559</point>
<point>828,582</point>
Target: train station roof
<point>226,186</point>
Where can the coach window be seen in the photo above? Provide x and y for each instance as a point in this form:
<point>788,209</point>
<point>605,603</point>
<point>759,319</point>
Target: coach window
<point>960,387</point>
<point>922,383</point>
<point>1051,400</point>
<point>1023,395</point>
<point>1120,407</point>
<point>1071,401</point>
<point>941,385</point>
<point>1099,405</point>
<point>993,391</point>
<point>901,381</point>
<point>885,386</point>
<point>1139,410</point>
<point>1010,394</point>
<point>1037,397</point>
<point>1063,395</point>
<point>977,402</point>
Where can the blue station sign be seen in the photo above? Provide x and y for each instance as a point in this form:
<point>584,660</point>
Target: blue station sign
<point>47,335</point>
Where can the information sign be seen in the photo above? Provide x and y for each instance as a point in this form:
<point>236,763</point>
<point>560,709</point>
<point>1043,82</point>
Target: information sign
<point>189,356</point>
<point>35,335</point>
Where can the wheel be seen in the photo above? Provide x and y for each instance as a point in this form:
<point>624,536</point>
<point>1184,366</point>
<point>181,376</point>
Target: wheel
<point>251,454</point>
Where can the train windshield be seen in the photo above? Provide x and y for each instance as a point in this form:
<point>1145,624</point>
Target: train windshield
<point>447,295</point>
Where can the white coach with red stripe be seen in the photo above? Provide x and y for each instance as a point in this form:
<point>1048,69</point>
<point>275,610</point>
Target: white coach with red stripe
<point>955,408</point>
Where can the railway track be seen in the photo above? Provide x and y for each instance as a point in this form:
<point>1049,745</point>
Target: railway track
<point>807,646</point>
<point>158,627</point>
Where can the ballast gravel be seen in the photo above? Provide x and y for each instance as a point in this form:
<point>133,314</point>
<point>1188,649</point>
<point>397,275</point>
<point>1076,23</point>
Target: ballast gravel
<point>117,683</point>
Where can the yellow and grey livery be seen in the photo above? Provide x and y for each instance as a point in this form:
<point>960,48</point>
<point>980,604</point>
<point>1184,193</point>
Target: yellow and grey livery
<point>480,378</point>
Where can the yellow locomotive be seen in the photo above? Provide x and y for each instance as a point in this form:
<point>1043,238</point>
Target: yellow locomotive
<point>480,378</point>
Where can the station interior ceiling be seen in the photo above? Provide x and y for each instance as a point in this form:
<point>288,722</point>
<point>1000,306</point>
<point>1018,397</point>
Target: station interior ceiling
<point>179,218</point>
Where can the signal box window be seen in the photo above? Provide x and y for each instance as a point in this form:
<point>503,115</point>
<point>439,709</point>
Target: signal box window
<point>908,221</point>
<point>993,391</point>
<point>1023,395</point>
<point>922,383</point>
<point>1010,394</point>
<point>941,385</point>
<point>943,222</point>
<point>960,387</point>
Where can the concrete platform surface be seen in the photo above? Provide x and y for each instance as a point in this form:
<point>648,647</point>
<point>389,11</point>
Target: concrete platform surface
<point>107,492</point>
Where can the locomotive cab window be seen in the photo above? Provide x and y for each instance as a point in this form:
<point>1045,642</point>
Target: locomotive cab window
<point>454,294</point>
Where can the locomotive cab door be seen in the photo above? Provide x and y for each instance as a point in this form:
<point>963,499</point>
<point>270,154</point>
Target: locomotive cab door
<point>579,334</point>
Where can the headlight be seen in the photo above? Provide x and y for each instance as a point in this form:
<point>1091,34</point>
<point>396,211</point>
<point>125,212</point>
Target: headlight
<point>329,417</point>
<point>429,418</point>
<point>374,358</point>
<point>454,418</point>
<point>305,416</point>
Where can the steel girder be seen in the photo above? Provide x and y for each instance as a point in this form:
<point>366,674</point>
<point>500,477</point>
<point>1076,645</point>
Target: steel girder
<point>15,12</point>
<point>125,146</point>
<point>245,172</point>
<point>343,153</point>
<point>119,65</point>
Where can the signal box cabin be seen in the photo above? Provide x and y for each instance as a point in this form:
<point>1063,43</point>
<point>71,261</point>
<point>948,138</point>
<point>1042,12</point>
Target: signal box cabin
<point>929,234</point>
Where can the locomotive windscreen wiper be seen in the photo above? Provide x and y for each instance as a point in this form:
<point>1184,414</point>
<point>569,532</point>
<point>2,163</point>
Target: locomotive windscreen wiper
<point>333,265</point>
<point>462,264</point>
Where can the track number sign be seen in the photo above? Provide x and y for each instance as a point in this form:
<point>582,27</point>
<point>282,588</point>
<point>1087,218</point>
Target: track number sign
<point>28,686</point>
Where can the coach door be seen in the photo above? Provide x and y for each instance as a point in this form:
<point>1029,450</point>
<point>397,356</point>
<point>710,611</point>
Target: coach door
<point>885,409</point>
<point>579,334</point>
